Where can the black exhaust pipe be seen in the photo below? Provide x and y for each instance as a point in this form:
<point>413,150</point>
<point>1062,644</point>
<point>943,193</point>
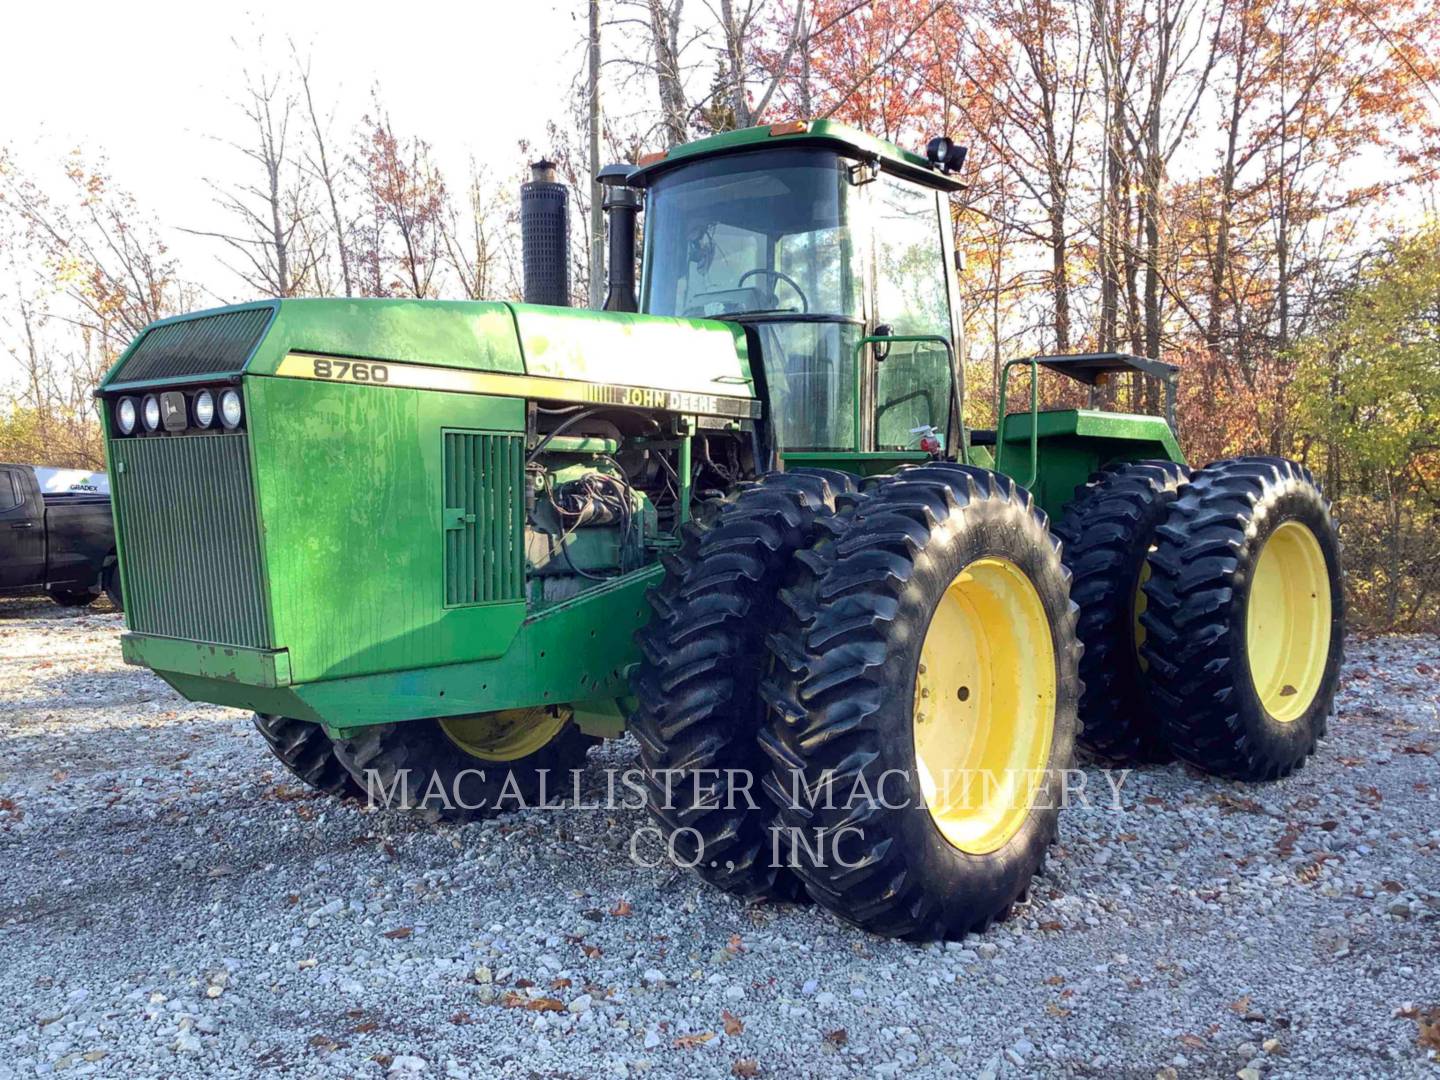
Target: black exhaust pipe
<point>545,237</point>
<point>622,205</point>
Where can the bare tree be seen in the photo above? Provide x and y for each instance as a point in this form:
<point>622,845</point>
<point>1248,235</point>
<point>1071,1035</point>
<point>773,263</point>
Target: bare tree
<point>317,159</point>
<point>270,210</point>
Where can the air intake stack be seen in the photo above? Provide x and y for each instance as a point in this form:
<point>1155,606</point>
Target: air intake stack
<point>621,203</point>
<point>545,236</point>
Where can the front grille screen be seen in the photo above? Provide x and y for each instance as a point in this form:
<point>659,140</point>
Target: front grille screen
<point>210,345</point>
<point>190,546</point>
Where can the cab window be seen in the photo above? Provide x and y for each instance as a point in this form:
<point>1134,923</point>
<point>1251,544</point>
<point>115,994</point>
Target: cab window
<point>912,382</point>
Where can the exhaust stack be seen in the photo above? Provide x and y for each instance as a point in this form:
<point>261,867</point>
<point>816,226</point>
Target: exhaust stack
<point>545,237</point>
<point>622,205</point>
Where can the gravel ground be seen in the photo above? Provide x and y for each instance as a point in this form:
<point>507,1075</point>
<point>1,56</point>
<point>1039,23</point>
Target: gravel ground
<point>173,906</point>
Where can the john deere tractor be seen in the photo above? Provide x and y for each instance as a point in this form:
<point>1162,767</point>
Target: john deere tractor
<point>440,548</point>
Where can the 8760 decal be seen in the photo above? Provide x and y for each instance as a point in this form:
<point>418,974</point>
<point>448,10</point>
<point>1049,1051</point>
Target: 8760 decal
<point>359,371</point>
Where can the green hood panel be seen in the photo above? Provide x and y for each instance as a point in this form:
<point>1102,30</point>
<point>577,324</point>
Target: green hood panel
<point>696,356</point>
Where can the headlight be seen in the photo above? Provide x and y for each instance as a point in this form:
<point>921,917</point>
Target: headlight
<point>126,416</point>
<point>230,408</point>
<point>204,409</point>
<point>151,411</point>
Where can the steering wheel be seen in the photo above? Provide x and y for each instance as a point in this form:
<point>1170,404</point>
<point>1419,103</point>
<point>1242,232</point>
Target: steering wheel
<point>776,274</point>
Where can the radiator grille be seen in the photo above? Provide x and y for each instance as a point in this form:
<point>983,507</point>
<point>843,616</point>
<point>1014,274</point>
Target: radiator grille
<point>191,549</point>
<point>210,345</point>
<point>484,518</point>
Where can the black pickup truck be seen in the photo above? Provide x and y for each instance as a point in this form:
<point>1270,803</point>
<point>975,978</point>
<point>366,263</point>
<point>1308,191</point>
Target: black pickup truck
<point>56,534</point>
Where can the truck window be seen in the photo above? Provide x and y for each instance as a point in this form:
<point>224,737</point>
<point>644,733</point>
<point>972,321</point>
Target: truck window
<point>9,494</point>
<point>912,385</point>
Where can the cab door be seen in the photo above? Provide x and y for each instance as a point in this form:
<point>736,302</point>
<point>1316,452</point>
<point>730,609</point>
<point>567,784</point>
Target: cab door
<point>22,530</point>
<point>912,382</point>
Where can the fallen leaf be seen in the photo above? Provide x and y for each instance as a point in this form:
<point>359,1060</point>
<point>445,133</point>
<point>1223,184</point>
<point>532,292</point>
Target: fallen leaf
<point>1052,926</point>
<point>621,909</point>
<point>512,1000</point>
<point>734,945</point>
<point>400,933</point>
<point>733,1024</point>
<point>1427,1027</point>
<point>1195,1042</point>
<point>461,1017</point>
<point>745,1068</point>
<point>365,1028</point>
<point>1056,1010</point>
<point>838,1037</point>
<point>560,984</point>
<point>1055,980</point>
<point>592,952</point>
<point>1424,669</point>
<point>324,1042</point>
<point>690,1042</point>
<point>1240,1004</point>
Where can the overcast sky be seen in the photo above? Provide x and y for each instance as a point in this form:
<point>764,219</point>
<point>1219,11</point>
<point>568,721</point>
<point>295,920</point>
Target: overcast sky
<point>153,85</point>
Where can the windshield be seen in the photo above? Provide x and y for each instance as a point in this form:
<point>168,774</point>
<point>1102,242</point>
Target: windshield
<point>765,232</point>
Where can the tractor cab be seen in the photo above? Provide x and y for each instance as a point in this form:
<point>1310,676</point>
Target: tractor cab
<point>833,251</point>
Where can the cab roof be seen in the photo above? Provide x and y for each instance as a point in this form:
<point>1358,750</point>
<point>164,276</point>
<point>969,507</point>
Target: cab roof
<point>846,140</point>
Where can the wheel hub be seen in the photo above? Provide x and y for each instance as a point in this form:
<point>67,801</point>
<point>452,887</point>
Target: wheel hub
<point>984,705</point>
<point>508,735</point>
<point>1287,621</point>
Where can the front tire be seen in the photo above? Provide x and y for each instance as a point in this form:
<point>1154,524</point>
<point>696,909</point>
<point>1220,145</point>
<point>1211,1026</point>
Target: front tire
<point>699,709</point>
<point>307,752</point>
<point>467,768</point>
<point>1246,618</point>
<point>929,643</point>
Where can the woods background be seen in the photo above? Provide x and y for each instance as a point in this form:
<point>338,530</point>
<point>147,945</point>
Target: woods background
<point>1245,188</point>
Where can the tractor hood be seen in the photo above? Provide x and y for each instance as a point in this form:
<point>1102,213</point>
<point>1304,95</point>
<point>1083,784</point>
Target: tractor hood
<point>560,353</point>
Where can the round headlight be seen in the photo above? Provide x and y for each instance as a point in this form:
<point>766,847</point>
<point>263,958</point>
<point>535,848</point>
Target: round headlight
<point>204,408</point>
<point>151,412</point>
<point>230,408</point>
<point>126,416</point>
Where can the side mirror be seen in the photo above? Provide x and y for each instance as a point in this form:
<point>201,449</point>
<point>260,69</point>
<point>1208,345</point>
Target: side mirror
<point>883,330</point>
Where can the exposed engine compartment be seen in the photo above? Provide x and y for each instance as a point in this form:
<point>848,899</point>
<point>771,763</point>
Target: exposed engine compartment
<point>605,489</point>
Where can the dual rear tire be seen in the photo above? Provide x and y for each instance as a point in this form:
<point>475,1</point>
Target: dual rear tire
<point>1212,613</point>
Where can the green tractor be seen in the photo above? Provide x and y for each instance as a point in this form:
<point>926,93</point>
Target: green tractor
<point>441,548</point>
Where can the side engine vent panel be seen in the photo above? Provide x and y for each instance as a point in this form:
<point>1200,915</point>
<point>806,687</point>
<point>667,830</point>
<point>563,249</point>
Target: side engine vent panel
<point>484,518</point>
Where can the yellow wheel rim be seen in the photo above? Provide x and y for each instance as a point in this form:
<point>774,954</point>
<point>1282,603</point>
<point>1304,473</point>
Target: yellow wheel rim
<point>508,735</point>
<point>984,705</point>
<point>1287,621</point>
<point>1140,603</point>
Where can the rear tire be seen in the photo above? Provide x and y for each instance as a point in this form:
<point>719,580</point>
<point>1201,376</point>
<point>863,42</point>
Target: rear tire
<point>72,598</point>
<point>697,685</point>
<point>444,767</point>
<point>931,636</point>
<point>307,752</point>
<point>1245,688</point>
<point>1107,532</point>
<point>110,584</point>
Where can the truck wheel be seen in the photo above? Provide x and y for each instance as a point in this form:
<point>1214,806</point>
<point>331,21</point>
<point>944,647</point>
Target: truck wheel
<point>305,749</point>
<point>697,684</point>
<point>923,704</point>
<point>469,767</point>
<point>1106,535</point>
<point>110,584</point>
<point>71,598</point>
<point>1246,618</point>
